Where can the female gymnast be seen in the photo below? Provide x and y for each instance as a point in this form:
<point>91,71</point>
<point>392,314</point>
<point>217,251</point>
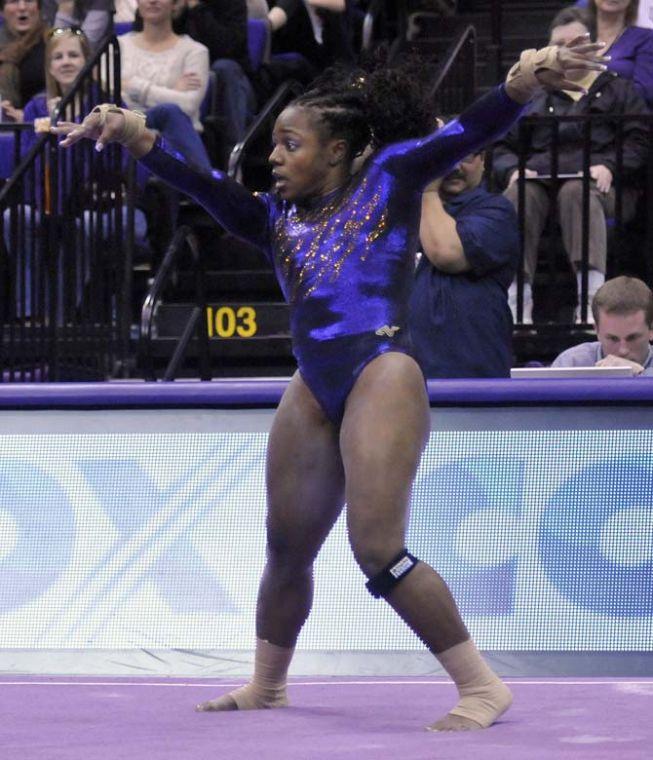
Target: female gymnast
<point>354,419</point>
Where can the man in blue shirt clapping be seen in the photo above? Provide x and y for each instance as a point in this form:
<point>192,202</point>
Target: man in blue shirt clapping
<point>459,317</point>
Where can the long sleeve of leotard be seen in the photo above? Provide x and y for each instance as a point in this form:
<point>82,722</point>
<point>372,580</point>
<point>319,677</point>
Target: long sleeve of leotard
<point>420,161</point>
<point>237,209</point>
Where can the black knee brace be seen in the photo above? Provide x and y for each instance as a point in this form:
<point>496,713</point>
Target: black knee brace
<point>383,583</point>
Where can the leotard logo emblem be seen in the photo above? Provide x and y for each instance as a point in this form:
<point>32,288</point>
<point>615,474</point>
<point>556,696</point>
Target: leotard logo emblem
<point>388,331</point>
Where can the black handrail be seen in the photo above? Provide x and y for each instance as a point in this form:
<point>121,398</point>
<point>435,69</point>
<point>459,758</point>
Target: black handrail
<point>375,11</point>
<point>80,308</point>
<point>183,237</point>
<point>466,36</point>
<point>453,82</point>
<point>284,92</point>
<point>495,48</point>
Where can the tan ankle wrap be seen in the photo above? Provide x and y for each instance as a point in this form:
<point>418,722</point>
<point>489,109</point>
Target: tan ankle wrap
<point>483,696</point>
<point>133,127</point>
<point>522,80</point>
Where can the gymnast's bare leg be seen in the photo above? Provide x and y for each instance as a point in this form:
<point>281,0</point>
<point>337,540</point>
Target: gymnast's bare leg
<point>384,430</point>
<point>305,484</point>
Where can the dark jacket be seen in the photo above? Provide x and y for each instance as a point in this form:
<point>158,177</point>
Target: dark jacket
<point>297,34</point>
<point>220,25</point>
<point>609,94</point>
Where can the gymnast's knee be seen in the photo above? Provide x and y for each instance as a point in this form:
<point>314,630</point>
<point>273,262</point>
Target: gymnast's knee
<point>287,557</point>
<point>375,556</point>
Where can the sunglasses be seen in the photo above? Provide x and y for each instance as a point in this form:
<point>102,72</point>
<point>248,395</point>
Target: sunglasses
<point>59,30</point>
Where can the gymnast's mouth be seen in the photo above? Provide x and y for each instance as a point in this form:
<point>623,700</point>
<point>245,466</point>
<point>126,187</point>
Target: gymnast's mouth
<point>279,181</point>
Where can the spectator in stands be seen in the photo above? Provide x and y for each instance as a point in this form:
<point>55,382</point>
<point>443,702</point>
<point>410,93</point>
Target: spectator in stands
<point>22,49</point>
<point>221,26</point>
<point>458,314</point>
<point>66,52</point>
<point>125,11</point>
<point>166,76</point>
<point>320,30</point>
<point>607,93</point>
<point>93,16</point>
<point>619,24</point>
<point>257,9</point>
<point>623,314</point>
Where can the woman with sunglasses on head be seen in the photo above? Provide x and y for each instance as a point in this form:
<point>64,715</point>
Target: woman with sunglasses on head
<point>353,421</point>
<point>22,50</point>
<point>66,52</point>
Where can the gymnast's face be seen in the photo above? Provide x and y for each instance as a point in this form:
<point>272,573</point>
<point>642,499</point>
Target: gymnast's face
<point>306,163</point>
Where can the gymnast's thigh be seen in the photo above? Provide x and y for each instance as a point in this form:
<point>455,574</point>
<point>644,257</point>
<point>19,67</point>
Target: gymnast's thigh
<point>304,474</point>
<point>382,436</point>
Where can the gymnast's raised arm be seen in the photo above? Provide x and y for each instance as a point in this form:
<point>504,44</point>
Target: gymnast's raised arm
<point>424,159</point>
<point>237,209</point>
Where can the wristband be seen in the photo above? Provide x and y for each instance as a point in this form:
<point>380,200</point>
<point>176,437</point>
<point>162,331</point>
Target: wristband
<point>522,78</point>
<point>133,127</point>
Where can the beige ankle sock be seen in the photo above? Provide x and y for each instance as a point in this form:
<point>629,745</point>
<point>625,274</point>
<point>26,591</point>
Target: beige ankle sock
<point>483,695</point>
<point>267,689</point>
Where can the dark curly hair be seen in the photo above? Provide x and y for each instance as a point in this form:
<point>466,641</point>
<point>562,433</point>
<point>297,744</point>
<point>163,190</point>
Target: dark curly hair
<point>374,106</point>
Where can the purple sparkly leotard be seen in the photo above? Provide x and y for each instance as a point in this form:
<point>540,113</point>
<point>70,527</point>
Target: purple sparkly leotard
<point>345,261</point>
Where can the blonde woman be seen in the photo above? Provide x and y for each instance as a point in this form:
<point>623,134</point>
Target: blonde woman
<point>66,53</point>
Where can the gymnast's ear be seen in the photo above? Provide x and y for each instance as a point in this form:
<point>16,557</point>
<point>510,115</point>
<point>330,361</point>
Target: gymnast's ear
<point>338,151</point>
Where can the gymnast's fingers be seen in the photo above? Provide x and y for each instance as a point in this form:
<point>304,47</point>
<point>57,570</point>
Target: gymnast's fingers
<point>112,128</point>
<point>72,132</point>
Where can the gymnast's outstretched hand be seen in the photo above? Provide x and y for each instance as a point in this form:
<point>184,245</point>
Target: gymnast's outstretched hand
<point>550,68</point>
<point>107,123</point>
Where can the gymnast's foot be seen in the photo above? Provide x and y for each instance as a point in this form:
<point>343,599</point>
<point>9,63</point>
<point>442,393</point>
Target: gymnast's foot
<point>247,697</point>
<point>267,688</point>
<point>477,709</point>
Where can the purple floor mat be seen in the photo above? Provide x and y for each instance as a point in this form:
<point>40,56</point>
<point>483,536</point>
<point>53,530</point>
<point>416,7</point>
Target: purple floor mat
<point>371,719</point>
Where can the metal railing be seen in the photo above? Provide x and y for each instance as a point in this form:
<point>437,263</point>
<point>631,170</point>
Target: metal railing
<point>448,49</point>
<point>66,239</point>
<point>495,48</point>
<point>454,83</point>
<point>633,189</point>
<point>196,325</point>
<point>263,121</point>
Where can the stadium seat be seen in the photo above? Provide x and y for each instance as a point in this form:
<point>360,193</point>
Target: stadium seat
<point>258,42</point>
